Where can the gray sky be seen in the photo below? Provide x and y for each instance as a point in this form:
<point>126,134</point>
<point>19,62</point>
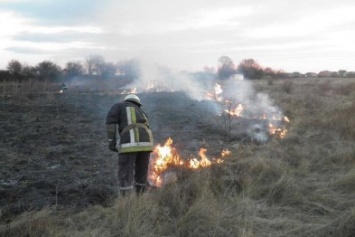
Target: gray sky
<point>301,35</point>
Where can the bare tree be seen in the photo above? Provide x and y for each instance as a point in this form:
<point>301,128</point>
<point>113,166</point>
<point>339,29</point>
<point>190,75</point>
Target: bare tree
<point>108,70</point>
<point>250,69</point>
<point>94,64</point>
<point>73,69</point>
<point>14,67</point>
<point>29,72</point>
<point>269,72</point>
<point>226,68</point>
<point>129,68</point>
<point>48,71</point>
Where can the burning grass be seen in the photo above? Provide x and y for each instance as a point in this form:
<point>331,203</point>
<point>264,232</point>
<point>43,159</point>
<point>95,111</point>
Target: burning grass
<point>300,185</point>
<point>166,157</point>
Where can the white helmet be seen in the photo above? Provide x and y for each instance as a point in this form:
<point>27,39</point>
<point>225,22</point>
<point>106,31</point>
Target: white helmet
<point>134,98</point>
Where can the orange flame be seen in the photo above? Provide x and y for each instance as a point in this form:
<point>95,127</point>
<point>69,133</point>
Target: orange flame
<point>237,111</point>
<point>204,162</point>
<point>216,94</point>
<point>225,153</point>
<point>276,127</point>
<point>165,157</point>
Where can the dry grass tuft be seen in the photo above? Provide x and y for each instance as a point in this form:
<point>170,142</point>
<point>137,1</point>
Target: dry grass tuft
<point>287,86</point>
<point>343,122</point>
<point>346,183</point>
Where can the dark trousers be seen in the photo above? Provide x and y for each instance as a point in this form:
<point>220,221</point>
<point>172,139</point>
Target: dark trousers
<point>133,171</point>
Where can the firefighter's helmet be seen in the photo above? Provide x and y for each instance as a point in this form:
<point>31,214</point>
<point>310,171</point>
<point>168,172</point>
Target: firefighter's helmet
<point>133,98</point>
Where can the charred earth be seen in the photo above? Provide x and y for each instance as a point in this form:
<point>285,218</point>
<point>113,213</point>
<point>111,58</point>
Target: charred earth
<point>54,149</point>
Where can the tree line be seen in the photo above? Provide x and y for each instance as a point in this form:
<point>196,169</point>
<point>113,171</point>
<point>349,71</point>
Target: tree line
<point>93,67</point>
<point>251,69</point>
<point>96,67</point>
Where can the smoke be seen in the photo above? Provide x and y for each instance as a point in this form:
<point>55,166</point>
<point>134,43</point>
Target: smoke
<point>237,90</point>
<point>161,78</point>
<point>217,95</point>
<point>82,84</point>
<point>261,103</point>
<point>256,105</point>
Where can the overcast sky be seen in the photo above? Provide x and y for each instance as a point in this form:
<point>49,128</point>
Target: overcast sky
<point>303,35</point>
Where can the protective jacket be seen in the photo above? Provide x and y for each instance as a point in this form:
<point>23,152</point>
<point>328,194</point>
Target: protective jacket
<point>133,127</point>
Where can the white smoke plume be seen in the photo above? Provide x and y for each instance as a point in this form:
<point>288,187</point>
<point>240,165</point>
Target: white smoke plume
<point>159,78</point>
<point>255,104</point>
<point>233,91</point>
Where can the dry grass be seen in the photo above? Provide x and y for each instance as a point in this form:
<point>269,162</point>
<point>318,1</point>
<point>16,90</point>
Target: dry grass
<point>303,185</point>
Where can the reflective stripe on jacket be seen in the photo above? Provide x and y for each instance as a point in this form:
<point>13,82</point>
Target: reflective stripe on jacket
<point>136,138</point>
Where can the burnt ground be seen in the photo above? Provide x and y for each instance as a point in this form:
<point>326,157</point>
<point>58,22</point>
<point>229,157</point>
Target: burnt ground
<point>54,150</point>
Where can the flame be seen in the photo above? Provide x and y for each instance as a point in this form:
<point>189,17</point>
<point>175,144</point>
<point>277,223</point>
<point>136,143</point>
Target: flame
<point>273,130</point>
<point>225,153</point>
<point>152,86</point>
<point>276,121</point>
<point>218,89</point>
<point>216,94</point>
<point>278,131</point>
<point>204,162</point>
<point>237,111</point>
<point>219,161</point>
<point>165,157</point>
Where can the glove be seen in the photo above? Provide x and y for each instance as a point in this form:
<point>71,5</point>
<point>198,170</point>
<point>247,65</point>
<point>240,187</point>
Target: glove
<point>112,145</point>
<point>111,134</point>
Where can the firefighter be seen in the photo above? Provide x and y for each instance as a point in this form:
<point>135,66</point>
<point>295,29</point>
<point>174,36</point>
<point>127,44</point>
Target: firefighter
<point>129,134</point>
<point>64,88</point>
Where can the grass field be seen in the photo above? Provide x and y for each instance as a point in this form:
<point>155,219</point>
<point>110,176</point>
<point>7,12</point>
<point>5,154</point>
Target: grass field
<point>301,185</point>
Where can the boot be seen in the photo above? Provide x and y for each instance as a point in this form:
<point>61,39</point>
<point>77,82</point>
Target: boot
<point>140,189</point>
<point>124,193</point>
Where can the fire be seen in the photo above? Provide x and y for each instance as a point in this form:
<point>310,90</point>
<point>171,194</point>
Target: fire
<point>238,110</point>
<point>225,153</point>
<point>277,131</point>
<point>165,157</point>
<point>216,94</point>
<point>152,86</point>
<point>204,162</point>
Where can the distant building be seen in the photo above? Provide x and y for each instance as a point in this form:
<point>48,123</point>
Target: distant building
<point>238,76</point>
